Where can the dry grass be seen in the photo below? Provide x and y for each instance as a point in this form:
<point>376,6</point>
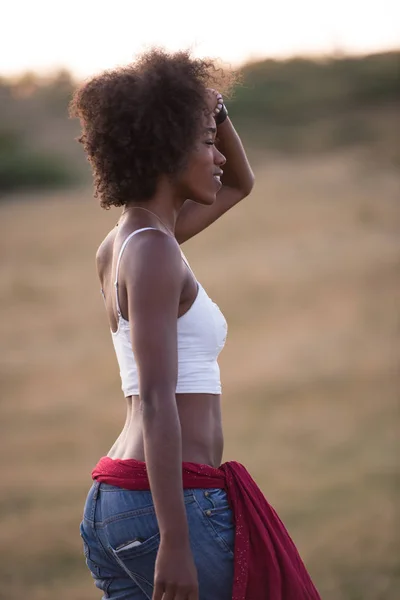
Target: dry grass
<point>306,271</point>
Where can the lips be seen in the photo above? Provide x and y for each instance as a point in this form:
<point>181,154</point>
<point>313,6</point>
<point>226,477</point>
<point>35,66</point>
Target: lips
<point>217,177</point>
<point>218,180</point>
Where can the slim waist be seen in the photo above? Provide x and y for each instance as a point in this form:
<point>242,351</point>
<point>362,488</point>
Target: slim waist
<point>132,474</point>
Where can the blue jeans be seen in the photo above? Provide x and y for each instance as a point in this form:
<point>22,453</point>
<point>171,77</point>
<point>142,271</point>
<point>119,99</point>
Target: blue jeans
<point>121,538</point>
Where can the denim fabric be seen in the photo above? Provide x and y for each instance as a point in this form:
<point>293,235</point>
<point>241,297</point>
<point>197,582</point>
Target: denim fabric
<point>115,520</point>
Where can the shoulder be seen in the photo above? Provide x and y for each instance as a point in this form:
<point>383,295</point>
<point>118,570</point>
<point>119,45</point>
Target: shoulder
<point>151,254</point>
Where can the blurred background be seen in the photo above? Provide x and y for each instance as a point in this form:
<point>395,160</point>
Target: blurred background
<point>306,271</point>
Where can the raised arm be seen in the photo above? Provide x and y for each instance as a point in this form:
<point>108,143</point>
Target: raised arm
<point>153,289</point>
<point>237,180</point>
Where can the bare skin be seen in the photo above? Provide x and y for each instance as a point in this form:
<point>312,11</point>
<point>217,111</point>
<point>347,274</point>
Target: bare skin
<point>199,414</point>
<point>155,288</point>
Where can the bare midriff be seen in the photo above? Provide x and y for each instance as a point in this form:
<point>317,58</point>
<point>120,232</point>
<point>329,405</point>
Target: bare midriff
<point>201,426</point>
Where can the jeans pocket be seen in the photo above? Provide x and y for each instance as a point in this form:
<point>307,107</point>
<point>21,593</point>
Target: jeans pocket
<point>221,520</point>
<point>217,517</point>
<point>217,498</point>
<point>137,547</point>
<point>137,558</point>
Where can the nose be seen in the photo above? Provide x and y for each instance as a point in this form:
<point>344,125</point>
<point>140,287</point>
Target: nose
<point>219,158</point>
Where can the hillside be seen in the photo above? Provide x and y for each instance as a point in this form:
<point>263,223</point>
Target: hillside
<point>299,106</point>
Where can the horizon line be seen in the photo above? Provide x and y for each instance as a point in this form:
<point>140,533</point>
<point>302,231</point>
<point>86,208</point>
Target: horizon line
<point>335,53</point>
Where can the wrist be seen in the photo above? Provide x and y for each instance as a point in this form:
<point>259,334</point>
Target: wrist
<point>176,538</point>
<point>176,529</point>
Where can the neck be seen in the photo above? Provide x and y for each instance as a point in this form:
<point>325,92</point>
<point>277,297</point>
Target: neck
<point>165,204</point>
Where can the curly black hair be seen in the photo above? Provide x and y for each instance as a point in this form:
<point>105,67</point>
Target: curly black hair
<point>140,121</point>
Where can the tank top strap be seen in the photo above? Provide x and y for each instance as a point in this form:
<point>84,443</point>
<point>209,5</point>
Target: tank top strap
<point>185,260</point>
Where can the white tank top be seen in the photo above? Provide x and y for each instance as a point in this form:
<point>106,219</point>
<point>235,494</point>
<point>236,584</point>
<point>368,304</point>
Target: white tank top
<point>201,332</point>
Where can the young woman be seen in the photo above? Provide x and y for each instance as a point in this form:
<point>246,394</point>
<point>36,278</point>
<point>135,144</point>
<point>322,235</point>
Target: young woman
<point>164,519</point>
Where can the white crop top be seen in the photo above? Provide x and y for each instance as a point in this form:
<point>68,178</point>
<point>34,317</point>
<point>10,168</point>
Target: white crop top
<point>201,332</point>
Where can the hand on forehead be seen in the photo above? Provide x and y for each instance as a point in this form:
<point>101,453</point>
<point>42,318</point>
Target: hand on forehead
<point>214,101</point>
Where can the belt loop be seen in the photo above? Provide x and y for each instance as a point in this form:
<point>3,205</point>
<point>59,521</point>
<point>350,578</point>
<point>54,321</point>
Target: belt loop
<point>96,485</point>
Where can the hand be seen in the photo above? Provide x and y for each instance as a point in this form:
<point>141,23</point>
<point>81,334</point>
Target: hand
<point>175,573</point>
<point>214,101</point>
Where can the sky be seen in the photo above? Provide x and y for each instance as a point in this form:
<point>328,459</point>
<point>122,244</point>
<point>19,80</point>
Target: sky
<point>87,36</point>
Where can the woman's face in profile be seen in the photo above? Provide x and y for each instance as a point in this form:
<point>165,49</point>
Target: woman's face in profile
<point>200,178</point>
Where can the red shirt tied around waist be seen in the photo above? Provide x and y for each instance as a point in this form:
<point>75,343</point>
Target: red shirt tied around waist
<point>267,565</point>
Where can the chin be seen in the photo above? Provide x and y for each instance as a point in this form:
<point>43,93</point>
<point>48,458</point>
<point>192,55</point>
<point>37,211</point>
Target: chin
<point>205,199</point>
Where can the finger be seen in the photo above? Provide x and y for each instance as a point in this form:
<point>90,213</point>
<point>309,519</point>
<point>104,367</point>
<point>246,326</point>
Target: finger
<point>216,96</point>
<point>220,102</point>
<point>170,593</point>
<point>183,595</point>
<point>158,592</point>
<point>194,595</point>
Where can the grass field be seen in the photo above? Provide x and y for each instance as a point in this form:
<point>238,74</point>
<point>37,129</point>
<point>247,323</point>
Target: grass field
<point>306,271</point>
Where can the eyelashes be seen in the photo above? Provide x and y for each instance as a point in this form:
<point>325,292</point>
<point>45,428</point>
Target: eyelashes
<point>212,142</point>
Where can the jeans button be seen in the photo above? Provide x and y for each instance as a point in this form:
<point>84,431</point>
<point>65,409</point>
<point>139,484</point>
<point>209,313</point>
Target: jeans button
<point>206,494</point>
<point>208,513</point>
